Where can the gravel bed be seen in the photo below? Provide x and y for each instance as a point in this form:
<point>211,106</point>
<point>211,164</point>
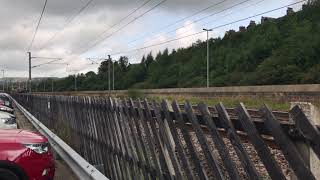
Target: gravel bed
<point>251,152</point>
<point>247,145</point>
<point>276,152</point>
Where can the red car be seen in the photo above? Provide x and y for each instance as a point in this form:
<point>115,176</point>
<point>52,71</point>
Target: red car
<point>25,155</point>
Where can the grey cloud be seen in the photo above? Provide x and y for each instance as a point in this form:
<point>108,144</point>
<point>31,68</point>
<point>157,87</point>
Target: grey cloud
<point>68,7</point>
<point>18,19</point>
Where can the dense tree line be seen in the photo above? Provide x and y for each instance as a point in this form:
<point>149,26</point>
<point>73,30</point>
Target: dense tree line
<point>282,51</point>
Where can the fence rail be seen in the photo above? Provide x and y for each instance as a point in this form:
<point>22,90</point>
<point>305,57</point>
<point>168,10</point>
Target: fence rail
<point>151,140</point>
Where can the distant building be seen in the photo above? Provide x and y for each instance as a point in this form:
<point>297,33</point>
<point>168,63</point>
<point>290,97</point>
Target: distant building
<point>266,19</point>
<point>252,24</point>
<point>290,11</point>
<point>242,29</point>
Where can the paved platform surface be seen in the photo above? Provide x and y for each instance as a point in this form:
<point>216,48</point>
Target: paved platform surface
<point>63,172</point>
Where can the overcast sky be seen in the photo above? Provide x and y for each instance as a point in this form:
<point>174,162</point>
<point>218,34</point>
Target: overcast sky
<point>79,39</point>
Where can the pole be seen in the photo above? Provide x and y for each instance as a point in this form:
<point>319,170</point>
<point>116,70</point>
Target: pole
<point>208,72</point>
<point>75,82</point>
<point>51,85</point>
<point>30,89</point>
<point>207,59</point>
<point>112,75</point>
<point>109,59</point>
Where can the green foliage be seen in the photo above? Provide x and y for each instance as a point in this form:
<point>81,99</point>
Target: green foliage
<point>283,51</point>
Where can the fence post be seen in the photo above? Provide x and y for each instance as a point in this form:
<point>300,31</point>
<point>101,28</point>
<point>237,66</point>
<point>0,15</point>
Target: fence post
<point>313,113</point>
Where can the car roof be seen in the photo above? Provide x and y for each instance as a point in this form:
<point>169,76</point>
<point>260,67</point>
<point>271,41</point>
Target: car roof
<point>10,132</point>
<point>21,136</point>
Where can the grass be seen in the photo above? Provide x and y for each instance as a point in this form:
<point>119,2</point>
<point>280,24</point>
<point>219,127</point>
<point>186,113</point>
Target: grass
<point>275,104</point>
<point>230,102</point>
<point>251,103</point>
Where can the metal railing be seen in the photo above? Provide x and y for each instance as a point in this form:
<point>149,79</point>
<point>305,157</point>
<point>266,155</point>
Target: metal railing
<point>143,140</point>
<point>81,168</point>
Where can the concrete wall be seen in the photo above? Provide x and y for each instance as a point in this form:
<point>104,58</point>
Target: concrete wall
<point>306,93</point>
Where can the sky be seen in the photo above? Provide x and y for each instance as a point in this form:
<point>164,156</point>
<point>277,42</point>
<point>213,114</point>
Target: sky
<point>118,27</point>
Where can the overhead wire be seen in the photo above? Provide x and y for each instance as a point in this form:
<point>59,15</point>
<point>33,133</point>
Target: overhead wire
<point>37,28</point>
<point>46,63</point>
<point>199,20</point>
<point>175,39</point>
<point>216,27</point>
<point>130,22</point>
<point>180,20</point>
<point>44,57</point>
<point>71,19</point>
<point>203,18</point>
<point>136,18</point>
<point>121,20</point>
<point>250,5</point>
<point>76,14</point>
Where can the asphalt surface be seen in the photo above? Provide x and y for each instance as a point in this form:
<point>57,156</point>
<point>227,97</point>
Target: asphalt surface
<point>63,172</point>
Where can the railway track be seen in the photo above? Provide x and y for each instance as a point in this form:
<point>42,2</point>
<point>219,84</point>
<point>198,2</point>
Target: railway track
<point>282,116</point>
<point>254,113</point>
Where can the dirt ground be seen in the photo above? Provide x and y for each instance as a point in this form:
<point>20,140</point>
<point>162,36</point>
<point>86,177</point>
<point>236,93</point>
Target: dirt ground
<point>63,172</point>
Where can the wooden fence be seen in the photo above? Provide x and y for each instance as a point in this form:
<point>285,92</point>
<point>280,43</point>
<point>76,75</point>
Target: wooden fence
<point>129,139</point>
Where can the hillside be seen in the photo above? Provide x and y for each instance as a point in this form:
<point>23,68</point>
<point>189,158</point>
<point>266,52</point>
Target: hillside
<point>281,51</point>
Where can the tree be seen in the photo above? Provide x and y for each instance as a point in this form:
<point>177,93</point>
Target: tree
<point>149,60</point>
<point>143,60</point>
<point>103,68</point>
<point>123,62</point>
<point>90,74</point>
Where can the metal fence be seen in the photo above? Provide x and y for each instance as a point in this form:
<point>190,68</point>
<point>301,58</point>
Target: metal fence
<point>129,139</point>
